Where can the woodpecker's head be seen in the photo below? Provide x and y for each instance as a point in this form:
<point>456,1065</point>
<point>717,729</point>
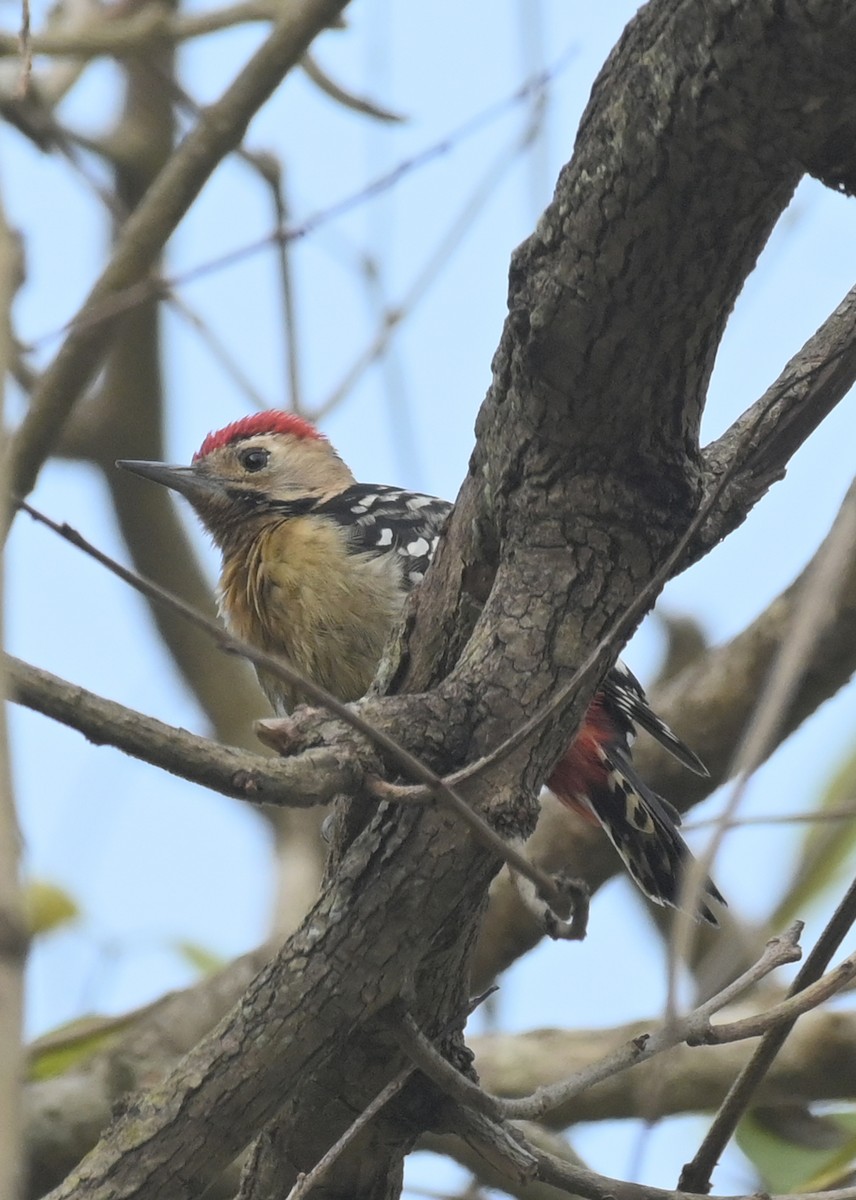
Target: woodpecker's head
<point>270,464</point>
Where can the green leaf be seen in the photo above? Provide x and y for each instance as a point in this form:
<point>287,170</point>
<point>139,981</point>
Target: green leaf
<point>69,1045</point>
<point>203,960</point>
<point>48,907</point>
<point>825,848</point>
<point>799,1163</point>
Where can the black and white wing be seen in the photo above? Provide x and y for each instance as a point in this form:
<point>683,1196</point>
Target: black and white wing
<point>388,520</point>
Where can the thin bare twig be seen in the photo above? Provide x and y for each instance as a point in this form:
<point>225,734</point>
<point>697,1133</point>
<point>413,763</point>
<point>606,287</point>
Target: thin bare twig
<point>810,997</point>
<point>306,1182</point>
<point>696,1173</point>
<point>25,45</point>
<point>108,35</point>
<point>818,595</point>
<point>125,297</point>
<point>579,1181</point>
<point>692,1027</point>
<point>431,1062</point>
<point>286,283</point>
<point>281,669</point>
<point>818,816</point>
<point>14,937</point>
<point>347,99</point>
<point>218,350</point>
<point>143,235</point>
<point>394,314</point>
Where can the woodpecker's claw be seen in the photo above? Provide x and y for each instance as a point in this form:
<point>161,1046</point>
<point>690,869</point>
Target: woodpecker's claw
<point>573,927</point>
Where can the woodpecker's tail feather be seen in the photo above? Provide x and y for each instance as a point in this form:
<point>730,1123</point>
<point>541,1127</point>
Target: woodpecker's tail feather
<point>642,827</point>
<point>625,700</point>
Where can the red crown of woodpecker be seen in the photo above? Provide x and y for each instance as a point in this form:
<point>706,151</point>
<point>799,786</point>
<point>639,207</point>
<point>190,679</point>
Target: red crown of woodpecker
<point>272,421</point>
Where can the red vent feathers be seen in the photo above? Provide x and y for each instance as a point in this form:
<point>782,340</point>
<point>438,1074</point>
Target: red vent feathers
<point>273,421</point>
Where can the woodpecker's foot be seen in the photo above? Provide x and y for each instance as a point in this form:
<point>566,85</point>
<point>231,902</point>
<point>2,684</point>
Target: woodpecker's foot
<point>278,733</point>
<point>563,916</point>
<point>570,922</point>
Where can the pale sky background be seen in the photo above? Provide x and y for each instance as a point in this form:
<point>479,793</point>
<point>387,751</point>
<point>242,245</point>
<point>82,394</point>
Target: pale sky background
<point>153,860</point>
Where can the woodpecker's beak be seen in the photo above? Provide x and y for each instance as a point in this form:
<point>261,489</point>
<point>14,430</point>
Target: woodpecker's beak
<point>189,481</point>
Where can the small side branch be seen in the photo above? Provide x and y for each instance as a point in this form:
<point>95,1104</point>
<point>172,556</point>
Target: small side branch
<point>311,1179</point>
<point>694,1027</point>
<point>312,778</point>
<point>755,451</point>
<point>697,1173</point>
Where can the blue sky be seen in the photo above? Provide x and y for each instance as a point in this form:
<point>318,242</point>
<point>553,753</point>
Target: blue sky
<point>153,860</point>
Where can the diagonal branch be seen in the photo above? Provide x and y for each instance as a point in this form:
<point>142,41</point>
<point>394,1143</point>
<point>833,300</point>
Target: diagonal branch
<point>696,1173</point>
<point>148,228</point>
<point>312,778</point>
<point>757,448</point>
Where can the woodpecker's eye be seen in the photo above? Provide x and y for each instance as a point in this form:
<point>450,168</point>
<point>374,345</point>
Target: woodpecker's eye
<point>254,460</point>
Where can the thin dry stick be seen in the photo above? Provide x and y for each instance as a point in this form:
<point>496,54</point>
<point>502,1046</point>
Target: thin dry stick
<point>579,1181</point>
<point>294,390</point>
<point>777,953</point>
<point>795,1006</point>
<point>154,24</point>
<point>269,170</point>
<point>696,1174</point>
<point>144,233</point>
<point>819,816</point>
<point>124,298</point>
<point>14,936</point>
<point>812,611</point>
<point>437,260</point>
<point>306,1182</point>
<point>694,1029</point>
<point>431,1062</point>
<point>281,669</point>
<point>26,47</point>
<point>335,91</point>
<point>217,349</point>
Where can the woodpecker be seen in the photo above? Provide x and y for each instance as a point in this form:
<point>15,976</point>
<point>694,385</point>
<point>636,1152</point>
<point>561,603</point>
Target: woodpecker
<point>316,568</point>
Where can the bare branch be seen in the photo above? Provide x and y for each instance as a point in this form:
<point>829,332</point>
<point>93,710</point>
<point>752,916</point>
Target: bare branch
<point>312,778</point>
<point>14,939</point>
<point>696,1174</point>
<point>431,1062</point>
<point>146,231</point>
<point>693,1027</point>
<point>151,26</point>
<point>809,998</point>
<point>762,441</point>
<point>336,92</point>
<point>816,602</point>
